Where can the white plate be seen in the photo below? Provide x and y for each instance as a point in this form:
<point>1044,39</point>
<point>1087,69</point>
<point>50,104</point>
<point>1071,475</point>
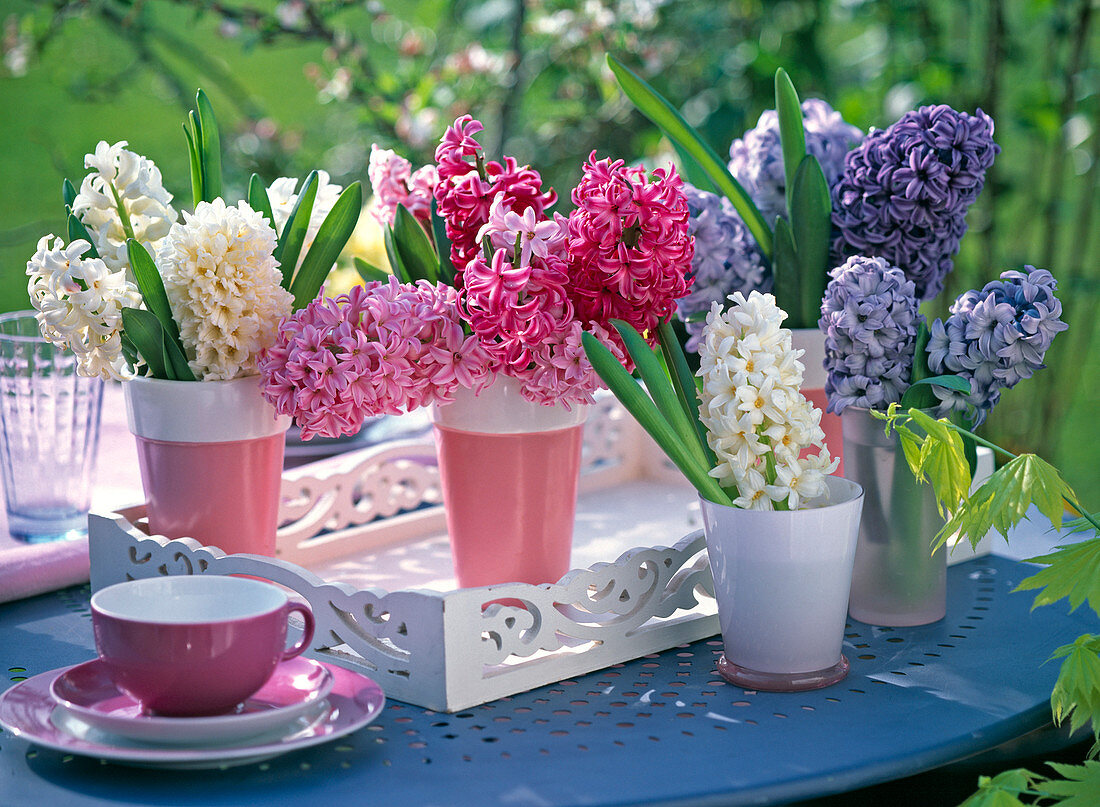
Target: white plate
<point>29,711</point>
<point>295,687</point>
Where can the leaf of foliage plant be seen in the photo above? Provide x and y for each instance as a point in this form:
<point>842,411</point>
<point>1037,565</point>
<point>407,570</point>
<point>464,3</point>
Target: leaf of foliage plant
<point>1076,693</point>
<point>660,388</point>
<point>651,104</point>
<point>68,193</point>
<point>144,330</point>
<point>1079,785</point>
<point>258,199</point>
<point>786,274</point>
<point>792,135</point>
<point>369,272</point>
<point>331,237</point>
<point>289,245</point>
<point>211,148</point>
<point>77,230</point>
<point>1002,790</point>
<point>416,250</point>
<point>812,226</point>
<point>442,246</point>
<point>193,139</point>
<point>638,404</point>
<point>683,381</point>
<point>943,460</point>
<point>1072,572</point>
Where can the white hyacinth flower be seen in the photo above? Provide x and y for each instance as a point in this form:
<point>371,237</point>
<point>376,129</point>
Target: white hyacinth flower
<point>283,196</point>
<point>758,423</point>
<point>79,303</point>
<point>224,288</point>
<point>124,190</point>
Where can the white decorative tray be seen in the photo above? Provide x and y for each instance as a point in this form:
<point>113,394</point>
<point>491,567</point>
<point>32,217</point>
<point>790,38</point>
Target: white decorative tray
<point>363,540</point>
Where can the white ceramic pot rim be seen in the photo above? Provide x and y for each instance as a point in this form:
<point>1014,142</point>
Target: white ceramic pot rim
<point>200,411</point>
<point>842,492</point>
<point>502,409</point>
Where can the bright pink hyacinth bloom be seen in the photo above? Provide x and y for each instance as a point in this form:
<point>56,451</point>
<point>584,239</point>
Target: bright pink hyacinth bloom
<point>386,348</point>
<point>468,185</point>
<point>629,248</point>
<point>395,183</point>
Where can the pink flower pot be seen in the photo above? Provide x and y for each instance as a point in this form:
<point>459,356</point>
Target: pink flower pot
<point>509,471</point>
<point>211,458</point>
<point>812,341</point>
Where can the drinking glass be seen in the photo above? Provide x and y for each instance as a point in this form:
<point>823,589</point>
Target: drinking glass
<point>49,433</point>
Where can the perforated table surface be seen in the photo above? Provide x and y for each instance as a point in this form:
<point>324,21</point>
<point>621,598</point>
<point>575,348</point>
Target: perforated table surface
<point>663,729</point>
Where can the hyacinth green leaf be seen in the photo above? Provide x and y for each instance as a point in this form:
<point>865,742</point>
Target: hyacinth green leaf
<point>660,388</point>
<point>639,405</point>
<point>787,277</point>
<point>369,272</point>
<point>691,170</point>
<point>1078,787</point>
<point>1003,790</point>
<point>812,227</point>
<point>442,246</point>
<point>655,107</point>
<point>684,383</point>
<point>151,286</point>
<point>77,230</point>
<point>195,158</point>
<point>293,236</point>
<point>210,148</point>
<point>792,135</point>
<point>332,236</point>
<point>68,193</point>
<point>414,246</point>
<point>394,257</point>
<point>130,351</point>
<point>1076,693</point>
<point>258,199</point>
<point>147,335</point>
<point>920,395</point>
<point>1073,573</point>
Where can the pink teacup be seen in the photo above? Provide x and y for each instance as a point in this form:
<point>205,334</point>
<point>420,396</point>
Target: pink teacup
<point>194,644</point>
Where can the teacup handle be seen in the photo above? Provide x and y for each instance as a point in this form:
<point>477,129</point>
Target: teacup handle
<point>307,630</point>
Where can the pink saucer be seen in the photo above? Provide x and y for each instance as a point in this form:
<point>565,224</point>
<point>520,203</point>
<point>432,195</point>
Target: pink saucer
<point>88,692</point>
<point>28,710</point>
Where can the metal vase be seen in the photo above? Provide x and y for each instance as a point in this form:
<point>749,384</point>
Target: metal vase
<point>896,581</point>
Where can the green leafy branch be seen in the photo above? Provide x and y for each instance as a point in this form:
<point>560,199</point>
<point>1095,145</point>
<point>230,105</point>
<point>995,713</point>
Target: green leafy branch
<point>1078,787</point>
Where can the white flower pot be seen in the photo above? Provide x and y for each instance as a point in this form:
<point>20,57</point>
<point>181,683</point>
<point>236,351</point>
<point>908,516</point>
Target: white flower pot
<point>211,457</point>
<point>781,579</point>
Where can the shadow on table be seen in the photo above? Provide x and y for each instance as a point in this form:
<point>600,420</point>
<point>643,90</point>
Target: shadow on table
<point>952,784</point>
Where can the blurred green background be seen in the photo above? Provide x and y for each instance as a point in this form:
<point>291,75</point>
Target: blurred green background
<point>299,85</point>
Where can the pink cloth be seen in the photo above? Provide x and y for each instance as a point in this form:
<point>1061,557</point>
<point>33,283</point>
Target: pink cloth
<point>36,568</point>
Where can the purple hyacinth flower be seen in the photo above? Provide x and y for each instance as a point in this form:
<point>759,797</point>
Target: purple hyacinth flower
<point>756,160</point>
<point>726,258</point>
<point>995,338</point>
<point>905,191</point>
<point>870,320</point>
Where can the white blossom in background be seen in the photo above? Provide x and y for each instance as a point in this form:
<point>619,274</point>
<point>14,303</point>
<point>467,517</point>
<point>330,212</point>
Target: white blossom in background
<point>224,288</point>
<point>282,193</point>
<point>757,420</point>
<point>79,304</point>
<point>121,177</point>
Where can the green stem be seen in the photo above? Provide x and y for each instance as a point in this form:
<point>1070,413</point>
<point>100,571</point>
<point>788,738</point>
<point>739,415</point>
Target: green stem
<point>127,227</point>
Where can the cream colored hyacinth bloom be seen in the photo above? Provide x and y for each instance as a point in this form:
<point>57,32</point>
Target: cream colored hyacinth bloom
<point>79,304</point>
<point>223,286</point>
<point>121,177</point>
<point>757,420</point>
<point>282,195</point>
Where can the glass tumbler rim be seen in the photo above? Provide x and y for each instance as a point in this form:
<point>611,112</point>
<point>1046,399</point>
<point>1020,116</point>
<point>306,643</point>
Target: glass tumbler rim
<point>14,317</point>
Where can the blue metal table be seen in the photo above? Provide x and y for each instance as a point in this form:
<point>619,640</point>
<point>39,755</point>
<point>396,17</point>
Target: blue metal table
<point>663,729</point>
